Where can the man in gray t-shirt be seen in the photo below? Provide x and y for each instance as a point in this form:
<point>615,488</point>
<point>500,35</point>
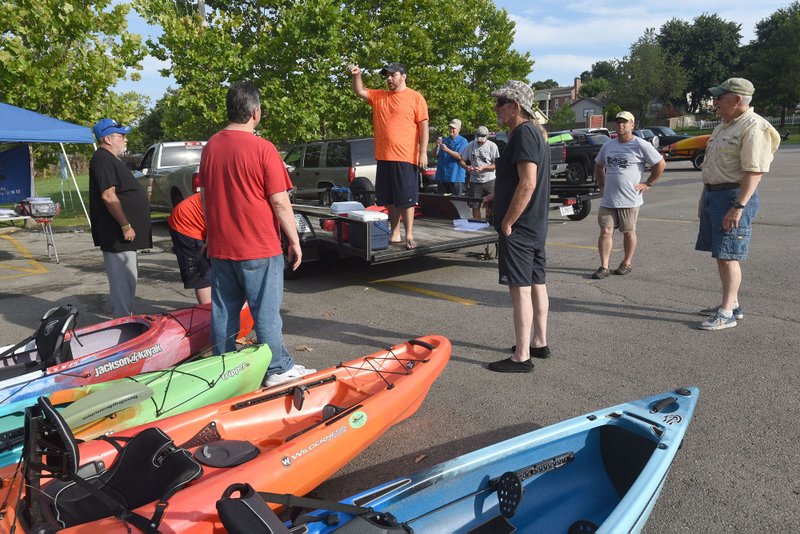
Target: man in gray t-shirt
<point>479,159</point>
<point>619,168</point>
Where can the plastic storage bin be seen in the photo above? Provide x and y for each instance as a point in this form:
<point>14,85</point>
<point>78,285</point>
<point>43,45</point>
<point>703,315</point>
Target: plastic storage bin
<point>380,234</point>
<point>340,208</point>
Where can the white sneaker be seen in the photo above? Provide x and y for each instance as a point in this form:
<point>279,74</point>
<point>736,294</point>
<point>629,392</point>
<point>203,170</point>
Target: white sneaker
<point>298,371</point>
<point>718,322</point>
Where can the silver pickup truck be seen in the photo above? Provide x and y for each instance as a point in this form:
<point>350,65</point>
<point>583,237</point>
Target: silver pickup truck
<point>168,172</point>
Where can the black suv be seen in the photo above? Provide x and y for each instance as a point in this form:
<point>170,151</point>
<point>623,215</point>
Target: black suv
<point>319,166</point>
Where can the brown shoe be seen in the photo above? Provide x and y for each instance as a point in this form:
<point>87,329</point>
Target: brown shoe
<point>623,269</point>
<point>600,273</point>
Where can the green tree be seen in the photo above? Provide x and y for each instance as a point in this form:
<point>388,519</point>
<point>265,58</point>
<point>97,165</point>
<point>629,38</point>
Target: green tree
<point>545,84</point>
<point>773,60</point>
<point>563,119</point>
<point>61,58</point>
<point>297,53</point>
<point>708,51</point>
<point>647,74</point>
<point>594,87</point>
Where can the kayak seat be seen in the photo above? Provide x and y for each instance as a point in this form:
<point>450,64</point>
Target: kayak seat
<point>104,338</point>
<point>147,468</point>
<point>49,342</point>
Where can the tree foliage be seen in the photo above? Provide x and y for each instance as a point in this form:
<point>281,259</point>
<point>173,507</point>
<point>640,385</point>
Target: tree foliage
<point>647,74</point>
<point>545,84</point>
<point>773,59</point>
<point>297,53</point>
<point>594,87</point>
<point>563,119</point>
<point>61,58</point>
<point>707,50</point>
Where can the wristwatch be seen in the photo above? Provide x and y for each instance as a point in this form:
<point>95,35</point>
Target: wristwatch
<point>738,205</point>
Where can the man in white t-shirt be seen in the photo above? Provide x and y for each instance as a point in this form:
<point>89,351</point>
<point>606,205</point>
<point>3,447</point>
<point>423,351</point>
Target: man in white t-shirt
<point>619,168</point>
<point>479,156</point>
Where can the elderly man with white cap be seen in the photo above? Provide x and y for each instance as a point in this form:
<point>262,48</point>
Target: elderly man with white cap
<point>521,203</point>
<point>738,154</point>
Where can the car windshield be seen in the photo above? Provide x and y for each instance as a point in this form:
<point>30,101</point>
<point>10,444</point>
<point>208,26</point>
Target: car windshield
<point>597,139</point>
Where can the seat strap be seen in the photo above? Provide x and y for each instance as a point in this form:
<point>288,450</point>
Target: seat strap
<point>148,526</point>
<point>287,499</point>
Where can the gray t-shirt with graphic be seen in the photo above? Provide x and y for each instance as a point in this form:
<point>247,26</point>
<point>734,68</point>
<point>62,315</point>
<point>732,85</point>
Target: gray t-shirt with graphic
<point>624,165</point>
<point>480,155</point>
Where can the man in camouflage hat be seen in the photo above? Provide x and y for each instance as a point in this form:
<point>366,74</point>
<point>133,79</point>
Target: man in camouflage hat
<point>521,202</point>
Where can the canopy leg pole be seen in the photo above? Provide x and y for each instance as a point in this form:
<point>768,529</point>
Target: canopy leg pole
<point>75,182</point>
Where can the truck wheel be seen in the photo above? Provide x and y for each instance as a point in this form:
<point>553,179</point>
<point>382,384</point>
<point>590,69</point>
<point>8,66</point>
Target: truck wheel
<point>175,196</point>
<point>698,158</point>
<point>581,210</point>
<point>576,173</point>
<point>361,189</point>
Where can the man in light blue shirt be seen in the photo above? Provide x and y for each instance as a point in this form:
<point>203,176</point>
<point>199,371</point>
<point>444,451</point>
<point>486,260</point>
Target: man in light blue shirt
<point>449,174</point>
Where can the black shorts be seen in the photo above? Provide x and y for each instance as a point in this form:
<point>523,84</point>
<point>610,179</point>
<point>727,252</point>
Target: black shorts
<point>194,266</point>
<point>396,183</point>
<point>520,263</point>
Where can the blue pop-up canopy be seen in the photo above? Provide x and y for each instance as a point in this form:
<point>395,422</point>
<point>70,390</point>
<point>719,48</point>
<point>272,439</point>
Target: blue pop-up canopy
<point>23,126</point>
<point>19,125</point>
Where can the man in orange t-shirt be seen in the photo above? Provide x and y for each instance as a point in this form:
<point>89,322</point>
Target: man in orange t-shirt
<point>400,121</point>
<point>187,228</point>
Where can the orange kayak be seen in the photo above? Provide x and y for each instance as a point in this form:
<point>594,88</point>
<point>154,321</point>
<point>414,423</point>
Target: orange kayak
<point>299,433</point>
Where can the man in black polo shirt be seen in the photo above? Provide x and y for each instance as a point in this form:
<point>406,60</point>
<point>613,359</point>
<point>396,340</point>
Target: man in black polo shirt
<point>119,214</point>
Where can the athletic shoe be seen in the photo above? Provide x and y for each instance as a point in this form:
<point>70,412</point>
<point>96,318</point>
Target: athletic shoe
<point>718,322</point>
<point>600,273</point>
<point>737,312</point>
<point>298,371</point>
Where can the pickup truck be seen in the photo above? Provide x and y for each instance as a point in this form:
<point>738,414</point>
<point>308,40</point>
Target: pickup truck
<point>580,154</point>
<point>168,172</point>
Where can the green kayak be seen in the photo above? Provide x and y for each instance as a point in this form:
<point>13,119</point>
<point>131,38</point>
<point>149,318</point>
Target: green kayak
<point>109,407</point>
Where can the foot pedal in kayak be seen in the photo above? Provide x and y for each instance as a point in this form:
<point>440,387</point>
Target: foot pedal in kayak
<point>582,526</point>
<point>226,453</point>
<point>509,493</point>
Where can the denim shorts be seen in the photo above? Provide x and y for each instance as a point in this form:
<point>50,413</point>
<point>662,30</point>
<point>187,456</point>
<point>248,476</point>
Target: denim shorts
<point>733,244</point>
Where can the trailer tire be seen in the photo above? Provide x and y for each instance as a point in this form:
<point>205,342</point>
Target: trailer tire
<point>581,208</point>
<point>698,158</point>
<point>576,173</point>
<point>361,190</point>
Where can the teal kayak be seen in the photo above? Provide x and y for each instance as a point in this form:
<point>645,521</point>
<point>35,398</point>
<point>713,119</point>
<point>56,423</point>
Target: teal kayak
<point>108,407</point>
<point>601,472</point>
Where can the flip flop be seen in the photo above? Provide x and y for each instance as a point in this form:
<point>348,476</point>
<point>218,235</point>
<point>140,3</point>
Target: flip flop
<point>411,244</point>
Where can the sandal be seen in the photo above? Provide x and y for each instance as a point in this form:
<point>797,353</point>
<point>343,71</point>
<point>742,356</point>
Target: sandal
<point>600,273</point>
<point>411,244</point>
<point>623,269</point>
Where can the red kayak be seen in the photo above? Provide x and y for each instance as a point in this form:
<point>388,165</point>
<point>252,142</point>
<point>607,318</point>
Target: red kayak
<point>60,356</point>
<point>169,474</point>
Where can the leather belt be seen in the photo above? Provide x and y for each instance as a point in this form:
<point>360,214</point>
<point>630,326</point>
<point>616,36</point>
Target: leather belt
<point>720,187</point>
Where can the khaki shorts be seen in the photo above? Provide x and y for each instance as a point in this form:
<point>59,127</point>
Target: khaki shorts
<point>623,219</point>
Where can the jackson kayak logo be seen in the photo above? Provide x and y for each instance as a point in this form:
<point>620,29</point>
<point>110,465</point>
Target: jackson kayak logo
<point>286,461</point>
<point>235,371</point>
<point>131,358</point>
<point>358,419</point>
<point>48,328</point>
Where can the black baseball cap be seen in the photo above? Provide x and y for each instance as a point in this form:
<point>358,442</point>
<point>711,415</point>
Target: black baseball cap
<point>393,67</point>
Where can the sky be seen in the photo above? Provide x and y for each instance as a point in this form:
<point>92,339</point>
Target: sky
<point>564,37</point>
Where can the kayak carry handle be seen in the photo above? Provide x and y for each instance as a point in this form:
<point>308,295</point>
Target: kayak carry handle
<point>420,343</point>
<point>663,403</point>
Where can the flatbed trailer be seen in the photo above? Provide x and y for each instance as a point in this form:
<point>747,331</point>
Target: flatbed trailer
<point>433,232</point>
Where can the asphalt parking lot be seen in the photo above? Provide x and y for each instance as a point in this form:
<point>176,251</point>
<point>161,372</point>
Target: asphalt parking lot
<point>614,340</point>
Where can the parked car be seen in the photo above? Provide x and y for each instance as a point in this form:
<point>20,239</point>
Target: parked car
<point>666,135</point>
<point>580,154</point>
<point>317,167</point>
<point>558,164</point>
<point>168,172</point>
<point>648,135</point>
<point>693,149</point>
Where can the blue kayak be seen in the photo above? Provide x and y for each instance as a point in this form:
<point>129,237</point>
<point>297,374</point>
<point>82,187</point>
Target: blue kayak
<point>601,472</point>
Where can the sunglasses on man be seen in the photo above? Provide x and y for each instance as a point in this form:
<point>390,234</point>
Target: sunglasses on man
<point>502,102</point>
